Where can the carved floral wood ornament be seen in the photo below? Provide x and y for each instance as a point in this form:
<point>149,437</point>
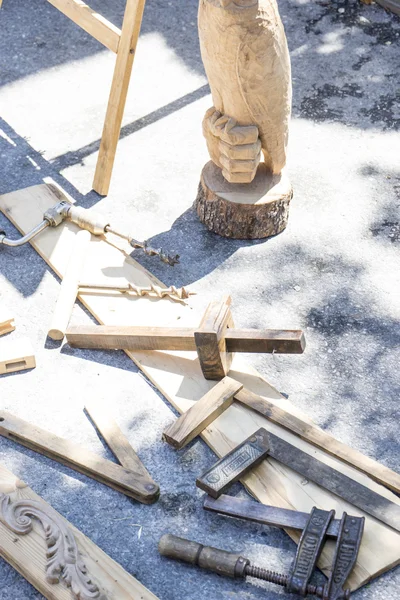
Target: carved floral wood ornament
<point>64,562</point>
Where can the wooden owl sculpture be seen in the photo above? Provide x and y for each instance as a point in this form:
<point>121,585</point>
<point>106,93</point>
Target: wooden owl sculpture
<point>245,54</point>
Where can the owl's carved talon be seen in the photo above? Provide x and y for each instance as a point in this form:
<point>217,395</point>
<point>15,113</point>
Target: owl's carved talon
<point>235,148</point>
<point>231,123</point>
<point>238,177</point>
<point>241,152</point>
<point>220,125</point>
<point>239,166</point>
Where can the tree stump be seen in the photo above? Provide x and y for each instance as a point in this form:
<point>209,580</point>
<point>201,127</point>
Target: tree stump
<point>253,210</point>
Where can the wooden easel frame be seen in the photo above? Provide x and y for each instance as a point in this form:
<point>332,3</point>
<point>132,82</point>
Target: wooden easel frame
<point>123,43</point>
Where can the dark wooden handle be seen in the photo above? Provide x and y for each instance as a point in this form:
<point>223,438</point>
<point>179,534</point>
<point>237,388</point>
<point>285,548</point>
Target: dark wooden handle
<point>206,557</point>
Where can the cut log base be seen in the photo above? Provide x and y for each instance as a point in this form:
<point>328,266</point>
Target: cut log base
<point>243,211</point>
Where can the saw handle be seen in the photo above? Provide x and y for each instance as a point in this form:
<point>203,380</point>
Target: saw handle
<point>211,559</point>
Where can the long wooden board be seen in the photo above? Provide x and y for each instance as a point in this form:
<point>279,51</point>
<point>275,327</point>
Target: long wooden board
<point>28,556</point>
<point>178,377</point>
<point>16,355</point>
<point>7,323</point>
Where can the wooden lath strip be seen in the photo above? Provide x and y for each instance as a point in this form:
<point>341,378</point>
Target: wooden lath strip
<point>91,21</point>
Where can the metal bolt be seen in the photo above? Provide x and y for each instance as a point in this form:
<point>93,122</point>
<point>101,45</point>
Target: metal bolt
<point>279,579</point>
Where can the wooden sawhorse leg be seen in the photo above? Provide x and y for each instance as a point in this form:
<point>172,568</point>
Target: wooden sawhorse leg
<point>119,90</point>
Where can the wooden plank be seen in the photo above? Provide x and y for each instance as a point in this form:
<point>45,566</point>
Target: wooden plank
<point>117,442</point>
<point>131,338</point>
<point>119,91</point>
<point>28,556</point>
<point>321,439</point>
<point>214,358</point>
<point>7,323</point>
<point>179,378</point>
<point>16,355</point>
<point>77,458</point>
<point>91,21</point>
<point>203,413</point>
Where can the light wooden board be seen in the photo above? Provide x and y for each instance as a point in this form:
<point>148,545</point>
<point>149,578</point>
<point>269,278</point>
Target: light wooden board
<point>28,556</point>
<point>178,377</point>
<point>7,323</point>
<point>16,354</point>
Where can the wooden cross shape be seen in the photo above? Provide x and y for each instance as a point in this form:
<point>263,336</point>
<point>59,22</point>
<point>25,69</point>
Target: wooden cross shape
<point>215,340</point>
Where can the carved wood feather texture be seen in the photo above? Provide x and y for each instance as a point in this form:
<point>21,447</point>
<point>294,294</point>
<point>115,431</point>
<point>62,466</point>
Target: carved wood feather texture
<point>64,562</point>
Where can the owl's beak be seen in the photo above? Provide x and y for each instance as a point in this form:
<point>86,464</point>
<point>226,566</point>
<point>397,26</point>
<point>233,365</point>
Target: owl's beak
<point>225,3</point>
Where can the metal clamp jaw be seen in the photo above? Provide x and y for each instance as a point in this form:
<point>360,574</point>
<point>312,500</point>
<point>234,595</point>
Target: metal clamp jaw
<point>315,528</point>
<point>310,547</point>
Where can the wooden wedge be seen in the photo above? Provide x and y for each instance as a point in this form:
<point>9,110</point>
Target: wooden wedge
<point>200,415</point>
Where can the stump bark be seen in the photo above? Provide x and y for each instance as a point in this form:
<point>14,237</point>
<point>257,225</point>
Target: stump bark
<point>247,211</point>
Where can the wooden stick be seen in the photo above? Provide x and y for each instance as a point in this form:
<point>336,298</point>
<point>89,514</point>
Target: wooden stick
<point>69,286</point>
<point>182,338</point>
<point>6,321</point>
<point>116,441</point>
<point>200,415</point>
<point>77,458</point>
<point>119,90</point>
<point>265,341</point>
<point>16,355</point>
<point>312,434</point>
<point>130,338</point>
<point>30,553</point>
<point>91,21</point>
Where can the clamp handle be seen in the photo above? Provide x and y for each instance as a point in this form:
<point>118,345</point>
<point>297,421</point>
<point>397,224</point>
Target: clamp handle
<point>206,557</point>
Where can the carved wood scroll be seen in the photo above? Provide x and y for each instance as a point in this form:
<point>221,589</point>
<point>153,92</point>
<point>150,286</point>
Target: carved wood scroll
<point>63,559</point>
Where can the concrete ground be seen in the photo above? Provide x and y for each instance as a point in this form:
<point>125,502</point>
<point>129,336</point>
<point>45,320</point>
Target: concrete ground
<point>333,272</point>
